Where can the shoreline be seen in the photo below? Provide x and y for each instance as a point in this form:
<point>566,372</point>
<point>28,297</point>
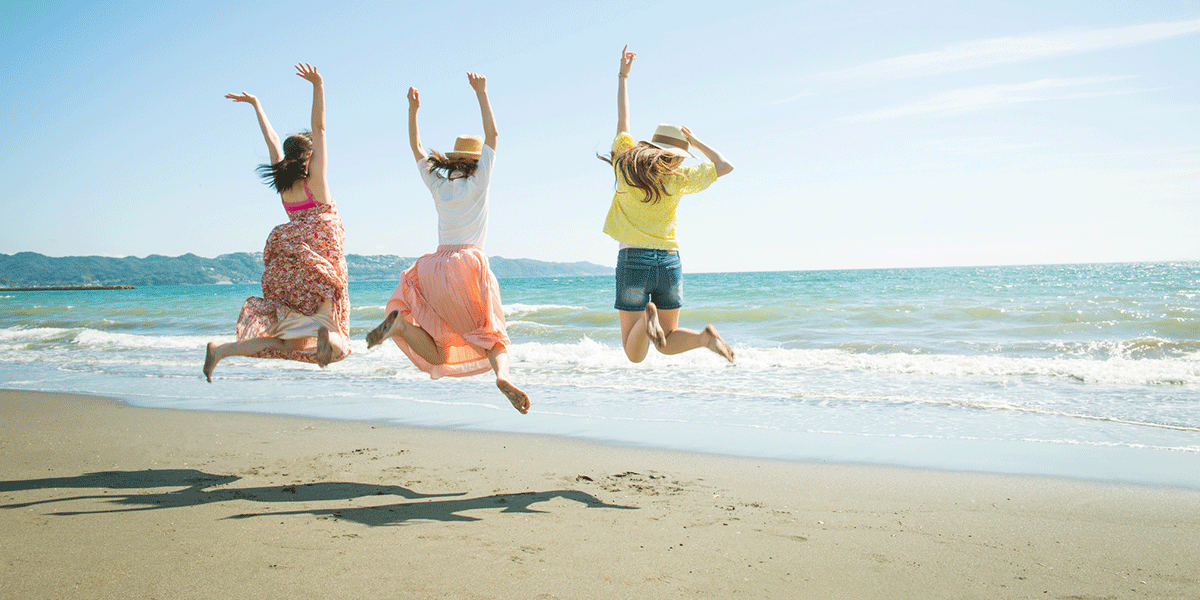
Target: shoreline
<point>1128,465</point>
<point>1149,466</point>
<point>106,500</point>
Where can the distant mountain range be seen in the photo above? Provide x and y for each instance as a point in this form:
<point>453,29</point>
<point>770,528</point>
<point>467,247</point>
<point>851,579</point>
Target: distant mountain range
<point>30,269</point>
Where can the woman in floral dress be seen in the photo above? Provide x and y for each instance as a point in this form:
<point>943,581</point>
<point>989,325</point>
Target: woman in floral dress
<point>304,313</point>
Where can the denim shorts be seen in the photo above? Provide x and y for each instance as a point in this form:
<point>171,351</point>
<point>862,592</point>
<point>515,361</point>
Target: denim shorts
<point>649,275</point>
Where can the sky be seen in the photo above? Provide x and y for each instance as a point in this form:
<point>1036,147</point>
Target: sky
<point>863,134</point>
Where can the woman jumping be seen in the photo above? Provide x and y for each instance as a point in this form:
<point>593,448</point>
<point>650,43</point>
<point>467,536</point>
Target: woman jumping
<point>446,313</point>
<point>650,182</point>
<point>304,313</point>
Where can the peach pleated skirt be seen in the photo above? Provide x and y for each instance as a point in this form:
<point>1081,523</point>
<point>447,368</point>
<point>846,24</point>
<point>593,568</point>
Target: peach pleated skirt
<point>452,295</point>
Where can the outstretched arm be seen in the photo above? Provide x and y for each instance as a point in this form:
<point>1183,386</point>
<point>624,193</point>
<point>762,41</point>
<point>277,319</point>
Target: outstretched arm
<point>622,92</point>
<point>723,166</point>
<point>414,135</point>
<point>273,145</point>
<point>316,165</point>
<point>479,84</point>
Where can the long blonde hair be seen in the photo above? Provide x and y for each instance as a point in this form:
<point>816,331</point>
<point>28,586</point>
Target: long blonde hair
<point>644,166</point>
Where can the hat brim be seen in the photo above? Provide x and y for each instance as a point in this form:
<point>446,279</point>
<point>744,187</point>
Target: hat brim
<point>676,150</point>
<point>454,155</point>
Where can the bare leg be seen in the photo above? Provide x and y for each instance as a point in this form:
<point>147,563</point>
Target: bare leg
<point>215,352</point>
<point>634,336</point>
<point>681,340</point>
<point>416,338</point>
<point>498,356</point>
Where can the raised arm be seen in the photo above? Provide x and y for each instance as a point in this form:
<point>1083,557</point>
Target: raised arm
<point>273,145</point>
<point>317,183</point>
<point>723,166</point>
<point>414,134</point>
<point>622,92</point>
<point>479,84</point>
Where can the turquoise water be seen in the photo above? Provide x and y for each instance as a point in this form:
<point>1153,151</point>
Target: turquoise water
<point>1086,371</point>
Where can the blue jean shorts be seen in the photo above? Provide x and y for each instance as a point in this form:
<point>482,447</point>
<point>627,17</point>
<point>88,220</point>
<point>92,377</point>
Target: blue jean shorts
<point>645,275</point>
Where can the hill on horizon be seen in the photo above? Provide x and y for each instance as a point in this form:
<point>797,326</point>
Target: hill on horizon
<point>30,269</point>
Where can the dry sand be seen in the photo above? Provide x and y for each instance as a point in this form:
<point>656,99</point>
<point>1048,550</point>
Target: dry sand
<point>103,500</point>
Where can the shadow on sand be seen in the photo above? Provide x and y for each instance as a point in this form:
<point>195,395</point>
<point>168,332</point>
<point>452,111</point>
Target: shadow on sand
<point>195,492</point>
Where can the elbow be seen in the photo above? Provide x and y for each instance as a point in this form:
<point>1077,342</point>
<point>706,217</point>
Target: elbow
<point>724,169</point>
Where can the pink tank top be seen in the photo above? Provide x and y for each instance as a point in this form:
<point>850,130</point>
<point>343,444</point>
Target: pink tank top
<point>298,206</point>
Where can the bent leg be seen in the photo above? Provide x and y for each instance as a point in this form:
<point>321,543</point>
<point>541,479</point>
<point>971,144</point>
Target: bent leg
<point>416,338</point>
<point>681,340</point>
<point>215,352</point>
<point>498,356</point>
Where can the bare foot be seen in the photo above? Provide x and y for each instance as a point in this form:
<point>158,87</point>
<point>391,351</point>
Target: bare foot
<point>324,349</point>
<point>716,344</point>
<point>519,399</point>
<point>210,360</point>
<point>654,330</point>
<point>384,330</point>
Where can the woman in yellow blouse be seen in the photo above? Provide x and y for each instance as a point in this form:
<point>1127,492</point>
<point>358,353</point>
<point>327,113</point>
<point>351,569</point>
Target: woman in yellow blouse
<point>650,182</point>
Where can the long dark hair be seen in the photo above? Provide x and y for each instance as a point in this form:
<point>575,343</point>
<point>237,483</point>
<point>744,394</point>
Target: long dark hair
<point>285,173</point>
<point>454,168</point>
<point>643,167</point>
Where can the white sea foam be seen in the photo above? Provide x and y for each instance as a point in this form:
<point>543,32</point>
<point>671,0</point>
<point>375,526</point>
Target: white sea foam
<point>1112,371</point>
<point>525,309</point>
<point>107,339</point>
<point>20,334</point>
<point>590,355</point>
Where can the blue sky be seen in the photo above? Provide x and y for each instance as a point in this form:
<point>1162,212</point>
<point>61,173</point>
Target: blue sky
<point>864,134</point>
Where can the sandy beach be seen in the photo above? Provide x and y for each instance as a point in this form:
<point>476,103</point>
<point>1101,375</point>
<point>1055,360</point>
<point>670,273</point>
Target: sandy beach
<point>104,500</point>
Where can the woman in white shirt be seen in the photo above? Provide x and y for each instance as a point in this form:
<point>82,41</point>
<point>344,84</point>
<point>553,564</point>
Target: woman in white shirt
<point>446,314</point>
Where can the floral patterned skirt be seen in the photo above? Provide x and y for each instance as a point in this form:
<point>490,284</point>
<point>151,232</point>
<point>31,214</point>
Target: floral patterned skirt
<point>452,295</point>
<point>304,286</point>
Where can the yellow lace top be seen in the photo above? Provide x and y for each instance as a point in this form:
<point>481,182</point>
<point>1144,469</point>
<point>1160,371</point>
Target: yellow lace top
<point>651,225</point>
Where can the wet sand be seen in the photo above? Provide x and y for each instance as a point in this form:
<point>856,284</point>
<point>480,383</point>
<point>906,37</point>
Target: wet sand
<point>102,500</point>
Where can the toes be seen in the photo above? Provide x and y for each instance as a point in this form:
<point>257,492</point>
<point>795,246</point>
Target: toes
<point>717,344</point>
<point>519,399</point>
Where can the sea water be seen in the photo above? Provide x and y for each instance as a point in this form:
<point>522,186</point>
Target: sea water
<point>1089,371</point>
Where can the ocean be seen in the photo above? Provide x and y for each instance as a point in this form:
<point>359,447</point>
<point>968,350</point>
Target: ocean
<point>1083,371</point>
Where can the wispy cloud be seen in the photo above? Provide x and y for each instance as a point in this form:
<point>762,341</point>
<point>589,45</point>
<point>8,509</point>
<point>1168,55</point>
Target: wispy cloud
<point>980,54</point>
<point>997,96</point>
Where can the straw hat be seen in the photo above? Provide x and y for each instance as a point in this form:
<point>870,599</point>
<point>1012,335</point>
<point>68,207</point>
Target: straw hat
<point>671,139</point>
<point>466,146</point>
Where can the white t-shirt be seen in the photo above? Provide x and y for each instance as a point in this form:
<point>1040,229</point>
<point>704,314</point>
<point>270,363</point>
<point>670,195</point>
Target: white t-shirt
<point>462,203</point>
